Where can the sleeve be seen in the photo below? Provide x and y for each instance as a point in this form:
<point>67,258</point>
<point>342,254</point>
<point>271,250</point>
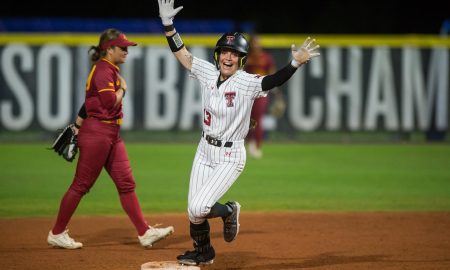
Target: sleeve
<point>252,84</point>
<point>82,112</point>
<point>105,83</point>
<point>278,78</point>
<point>202,70</point>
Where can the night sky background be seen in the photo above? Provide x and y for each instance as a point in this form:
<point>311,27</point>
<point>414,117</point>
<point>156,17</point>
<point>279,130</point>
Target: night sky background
<point>301,16</point>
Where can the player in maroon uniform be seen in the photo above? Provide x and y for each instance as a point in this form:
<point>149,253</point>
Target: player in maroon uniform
<point>259,61</point>
<point>101,145</point>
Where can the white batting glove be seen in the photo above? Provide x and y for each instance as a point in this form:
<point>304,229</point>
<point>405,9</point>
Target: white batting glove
<point>307,51</point>
<point>167,12</point>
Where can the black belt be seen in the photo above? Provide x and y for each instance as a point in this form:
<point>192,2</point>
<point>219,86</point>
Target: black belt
<point>215,142</point>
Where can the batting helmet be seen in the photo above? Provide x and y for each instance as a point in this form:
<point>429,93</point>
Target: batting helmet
<point>235,41</point>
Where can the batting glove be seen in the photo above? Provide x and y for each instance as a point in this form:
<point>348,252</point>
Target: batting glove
<point>167,12</point>
<point>307,51</point>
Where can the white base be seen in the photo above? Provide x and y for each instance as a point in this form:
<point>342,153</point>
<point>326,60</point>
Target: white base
<point>168,265</point>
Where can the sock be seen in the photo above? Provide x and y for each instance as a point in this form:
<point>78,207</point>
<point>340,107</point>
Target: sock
<point>219,210</point>
<point>69,204</point>
<point>131,206</point>
<point>200,235</point>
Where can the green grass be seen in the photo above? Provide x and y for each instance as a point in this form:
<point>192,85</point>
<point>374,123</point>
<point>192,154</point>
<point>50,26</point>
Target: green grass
<point>293,177</point>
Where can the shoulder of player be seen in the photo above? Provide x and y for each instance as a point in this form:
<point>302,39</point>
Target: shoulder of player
<point>201,62</point>
<point>242,74</point>
<point>106,65</point>
<point>106,68</point>
<point>200,66</point>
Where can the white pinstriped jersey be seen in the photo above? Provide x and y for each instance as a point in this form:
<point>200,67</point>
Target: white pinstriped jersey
<point>227,109</point>
<point>227,112</point>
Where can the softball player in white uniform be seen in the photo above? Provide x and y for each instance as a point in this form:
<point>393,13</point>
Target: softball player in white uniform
<point>226,120</point>
<point>228,93</point>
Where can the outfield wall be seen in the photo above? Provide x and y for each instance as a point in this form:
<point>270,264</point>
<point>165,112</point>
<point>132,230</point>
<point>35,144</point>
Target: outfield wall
<point>360,83</point>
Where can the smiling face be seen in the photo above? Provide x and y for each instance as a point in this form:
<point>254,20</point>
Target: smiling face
<point>228,63</point>
<point>117,55</point>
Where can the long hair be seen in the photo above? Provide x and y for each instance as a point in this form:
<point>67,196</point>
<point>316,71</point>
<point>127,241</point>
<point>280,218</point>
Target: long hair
<point>107,35</point>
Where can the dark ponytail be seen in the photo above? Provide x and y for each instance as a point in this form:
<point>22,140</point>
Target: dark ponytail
<point>96,54</point>
<point>108,34</point>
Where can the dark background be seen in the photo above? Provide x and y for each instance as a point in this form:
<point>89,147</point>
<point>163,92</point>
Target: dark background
<point>320,16</point>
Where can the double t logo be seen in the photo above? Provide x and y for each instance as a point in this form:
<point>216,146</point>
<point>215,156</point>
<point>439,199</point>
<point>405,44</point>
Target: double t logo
<point>229,96</point>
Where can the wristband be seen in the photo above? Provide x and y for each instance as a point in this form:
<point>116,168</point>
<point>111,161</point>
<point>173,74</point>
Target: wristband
<point>294,63</point>
<point>168,28</point>
<point>76,125</point>
<point>175,42</point>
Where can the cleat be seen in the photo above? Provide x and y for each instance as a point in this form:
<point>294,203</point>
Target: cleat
<point>196,258</point>
<point>62,240</point>
<point>231,223</point>
<point>153,235</point>
<point>254,151</point>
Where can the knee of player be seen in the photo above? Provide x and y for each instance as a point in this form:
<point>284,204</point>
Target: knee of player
<point>192,210</point>
<point>198,210</point>
<point>79,188</point>
<point>126,188</point>
<point>124,181</point>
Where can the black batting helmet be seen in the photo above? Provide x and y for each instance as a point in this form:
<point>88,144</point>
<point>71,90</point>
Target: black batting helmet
<point>235,41</point>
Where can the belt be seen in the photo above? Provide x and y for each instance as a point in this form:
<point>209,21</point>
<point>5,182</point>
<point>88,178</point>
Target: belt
<point>114,121</point>
<point>216,142</point>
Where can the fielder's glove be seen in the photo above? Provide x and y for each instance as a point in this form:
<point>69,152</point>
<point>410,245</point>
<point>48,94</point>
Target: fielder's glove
<point>253,123</point>
<point>278,107</point>
<point>65,143</point>
<point>308,50</point>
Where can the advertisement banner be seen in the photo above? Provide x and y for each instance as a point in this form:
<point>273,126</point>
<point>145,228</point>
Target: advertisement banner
<point>387,86</point>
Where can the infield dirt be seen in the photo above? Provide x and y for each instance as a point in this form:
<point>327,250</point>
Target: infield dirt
<point>297,240</point>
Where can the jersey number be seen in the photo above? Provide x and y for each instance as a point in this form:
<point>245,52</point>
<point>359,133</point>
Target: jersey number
<point>88,82</point>
<point>206,118</point>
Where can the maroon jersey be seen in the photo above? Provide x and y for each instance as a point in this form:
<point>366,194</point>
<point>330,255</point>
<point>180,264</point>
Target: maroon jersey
<point>101,86</point>
<point>261,64</point>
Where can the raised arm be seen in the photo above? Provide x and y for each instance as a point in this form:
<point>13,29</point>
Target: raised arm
<point>300,56</point>
<point>167,13</point>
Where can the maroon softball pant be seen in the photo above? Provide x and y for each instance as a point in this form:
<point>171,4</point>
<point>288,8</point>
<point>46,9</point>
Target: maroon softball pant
<point>101,146</point>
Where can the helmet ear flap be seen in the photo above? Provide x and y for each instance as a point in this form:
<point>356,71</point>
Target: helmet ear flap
<point>216,58</point>
<point>242,61</point>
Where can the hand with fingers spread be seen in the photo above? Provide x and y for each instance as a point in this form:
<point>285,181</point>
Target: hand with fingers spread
<point>167,12</point>
<point>308,50</point>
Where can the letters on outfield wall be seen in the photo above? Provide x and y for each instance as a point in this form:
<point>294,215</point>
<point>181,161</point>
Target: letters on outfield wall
<point>347,88</point>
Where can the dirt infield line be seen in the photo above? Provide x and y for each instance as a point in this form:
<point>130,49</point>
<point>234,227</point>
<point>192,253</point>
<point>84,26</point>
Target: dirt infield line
<point>266,241</point>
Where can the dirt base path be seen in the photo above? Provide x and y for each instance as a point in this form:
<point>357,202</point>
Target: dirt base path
<point>266,241</point>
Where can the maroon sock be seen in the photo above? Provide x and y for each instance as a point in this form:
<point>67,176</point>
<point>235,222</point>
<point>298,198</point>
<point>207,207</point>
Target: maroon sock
<point>68,206</point>
<point>131,206</point>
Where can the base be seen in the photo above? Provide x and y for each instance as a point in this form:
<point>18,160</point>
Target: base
<point>167,265</point>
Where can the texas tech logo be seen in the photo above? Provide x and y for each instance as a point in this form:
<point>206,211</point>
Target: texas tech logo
<point>230,39</point>
<point>229,96</point>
